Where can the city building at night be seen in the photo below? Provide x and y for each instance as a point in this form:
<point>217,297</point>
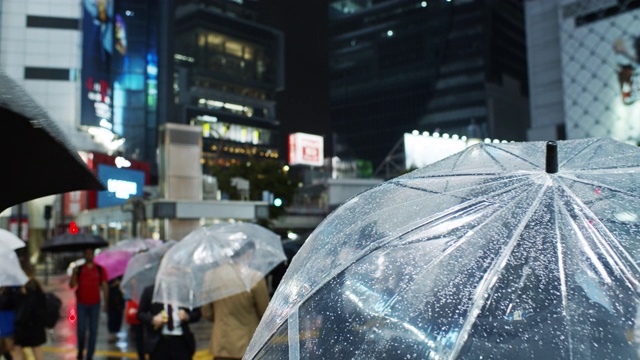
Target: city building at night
<point>228,67</point>
<point>436,66</point>
<point>583,61</point>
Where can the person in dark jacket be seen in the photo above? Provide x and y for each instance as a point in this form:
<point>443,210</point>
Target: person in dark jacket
<point>8,304</point>
<point>115,311</point>
<point>168,336</point>
<point>29,324</point>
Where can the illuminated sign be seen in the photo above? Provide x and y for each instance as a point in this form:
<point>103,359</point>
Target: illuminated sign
<point>121,188</point>
<point>423,150</point>
<point>122,184</point>
<point>97,51</point>
<point>306,149</point>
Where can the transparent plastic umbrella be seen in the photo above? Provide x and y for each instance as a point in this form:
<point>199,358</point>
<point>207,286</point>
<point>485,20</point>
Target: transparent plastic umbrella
<point>142,269</point>
<point>9,241</point>
<point>135,245</point>
<point>496,252</point>
<point>11,273</point>
<point>116,257</point>
<point>216,261</point>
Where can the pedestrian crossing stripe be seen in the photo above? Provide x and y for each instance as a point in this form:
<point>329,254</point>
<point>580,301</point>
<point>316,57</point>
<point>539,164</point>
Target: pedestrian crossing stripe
<point>199,355</point>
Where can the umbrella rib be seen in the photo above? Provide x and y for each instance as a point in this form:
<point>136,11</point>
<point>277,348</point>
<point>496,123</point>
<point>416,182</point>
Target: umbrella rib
<point>577,152</point>
<point>510,153</point>
<point>384,242</point>
<point>603,245</point>
<point>598,184</point>
<point>504,179</point>
<point>493,272</point>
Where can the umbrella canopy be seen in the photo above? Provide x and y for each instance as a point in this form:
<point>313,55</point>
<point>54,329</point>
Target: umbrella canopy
<point>73,242</point>
<point>9,242</point>
<point>215,262</point>
<point>11,273</point>
<point>495,252</point>
<point>115,258</point>
<point>41,160</point>
<point>142,269</point>
<point>135,245</point>
<point>114,262</point>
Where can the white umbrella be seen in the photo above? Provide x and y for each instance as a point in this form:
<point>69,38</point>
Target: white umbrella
<point>9,242</point>
<point>11,273</point>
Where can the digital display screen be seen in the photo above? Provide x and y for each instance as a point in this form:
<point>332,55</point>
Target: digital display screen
<point>122,184</point>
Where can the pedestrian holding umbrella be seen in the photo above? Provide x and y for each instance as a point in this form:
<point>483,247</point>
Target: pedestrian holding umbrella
<point>11,273</point>
<point>38,148</point>
<point>181,277</point>
<point>9,242</point>
<point>140,273</point>
<point>222,269</point>
<point>142,269</point>
<point>495,252</point>
<point>73,242</point>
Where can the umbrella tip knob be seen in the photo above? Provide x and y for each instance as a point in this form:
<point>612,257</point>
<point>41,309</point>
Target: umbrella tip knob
<point>552,157</point>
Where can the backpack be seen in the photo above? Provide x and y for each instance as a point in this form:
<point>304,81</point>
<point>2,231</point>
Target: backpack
<point>52,305</point>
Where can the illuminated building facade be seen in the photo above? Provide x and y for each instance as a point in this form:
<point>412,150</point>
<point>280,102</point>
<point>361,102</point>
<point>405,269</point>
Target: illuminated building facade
<point>584,61</point>
<point>427,65</point>
<point>227,70</point>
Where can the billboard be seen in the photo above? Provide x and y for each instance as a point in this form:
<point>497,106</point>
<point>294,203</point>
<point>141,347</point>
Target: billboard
<point>600,56</point>
<point>97,50</point>
<point>121,183</point>
<point>306,149</point>
<point>420,150</point>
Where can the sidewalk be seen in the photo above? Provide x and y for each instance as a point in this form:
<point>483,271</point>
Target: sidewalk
<point>61,344</point>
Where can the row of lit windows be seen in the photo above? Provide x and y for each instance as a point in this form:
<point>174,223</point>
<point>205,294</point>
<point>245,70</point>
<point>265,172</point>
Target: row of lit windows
<point>228,45</point>
<point>231,107</point>
<point>212,128</point>
<point>229,88</point>
<point>243,150</point>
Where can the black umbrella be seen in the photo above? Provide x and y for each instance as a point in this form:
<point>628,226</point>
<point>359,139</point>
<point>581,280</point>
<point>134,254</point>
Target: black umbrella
<point>73,242</point>
<point>38,157</point>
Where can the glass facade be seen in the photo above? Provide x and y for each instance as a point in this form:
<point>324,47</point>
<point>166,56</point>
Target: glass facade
<point>398,66</point>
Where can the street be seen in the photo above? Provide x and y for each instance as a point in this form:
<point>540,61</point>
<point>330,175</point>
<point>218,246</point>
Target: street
<point>61,343</point>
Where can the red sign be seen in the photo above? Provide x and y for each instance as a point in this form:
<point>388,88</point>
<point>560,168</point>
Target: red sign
<point>306,149</point>
<point>24,228</point>
<point>74,202</point>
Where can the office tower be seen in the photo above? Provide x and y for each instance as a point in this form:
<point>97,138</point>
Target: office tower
<point>227,69</point>
<point>437,66</point>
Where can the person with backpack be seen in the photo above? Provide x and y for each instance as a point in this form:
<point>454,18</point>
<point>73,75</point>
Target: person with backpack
<point>89,278</point>
<point>29,326</point>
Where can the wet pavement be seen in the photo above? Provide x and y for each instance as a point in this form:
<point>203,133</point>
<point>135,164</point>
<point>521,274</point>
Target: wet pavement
<point>61,344</point>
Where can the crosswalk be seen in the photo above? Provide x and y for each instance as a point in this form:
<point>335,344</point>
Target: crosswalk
<point>52,352</point>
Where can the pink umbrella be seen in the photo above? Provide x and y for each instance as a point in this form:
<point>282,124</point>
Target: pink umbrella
<point>114,262</point>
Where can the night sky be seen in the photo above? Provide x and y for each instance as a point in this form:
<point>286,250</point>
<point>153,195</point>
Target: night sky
<point>303,106</point>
